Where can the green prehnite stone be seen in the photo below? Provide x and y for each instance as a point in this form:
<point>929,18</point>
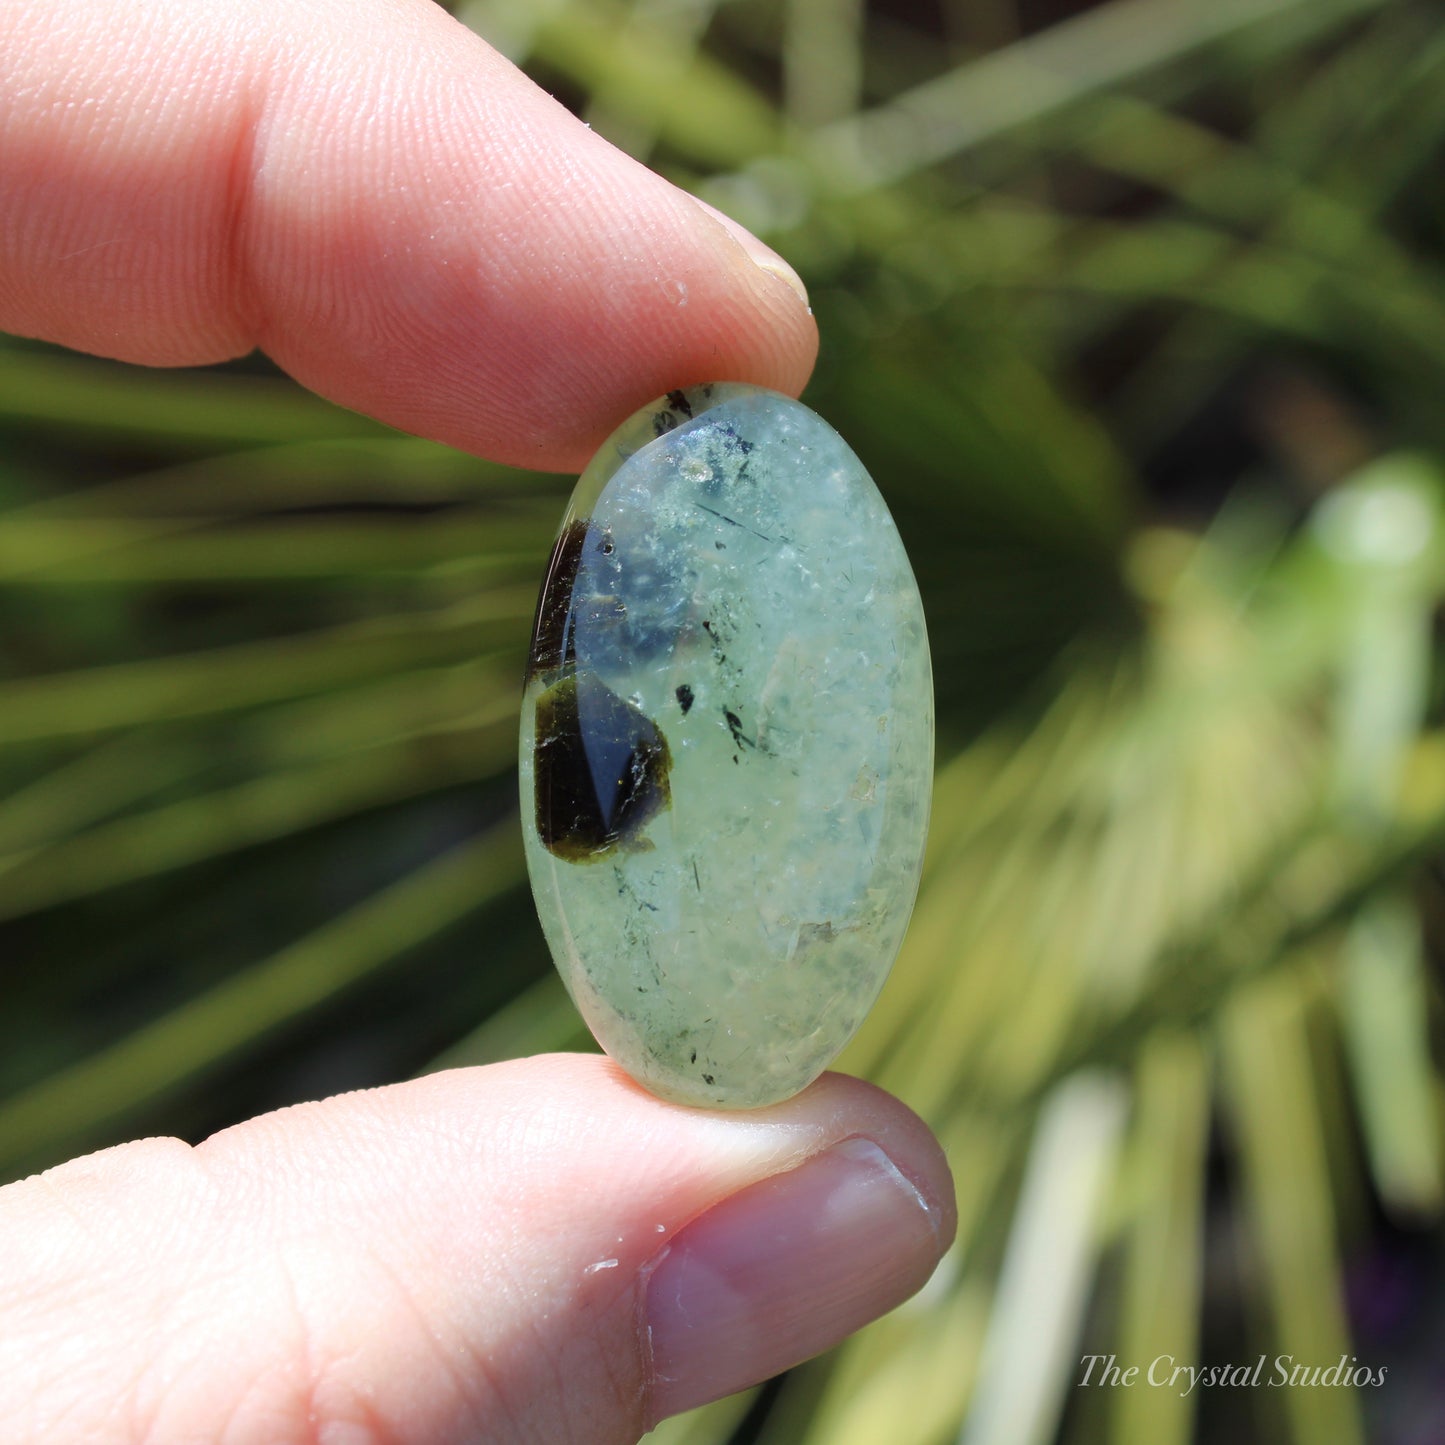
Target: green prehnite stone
<point>727,746</point>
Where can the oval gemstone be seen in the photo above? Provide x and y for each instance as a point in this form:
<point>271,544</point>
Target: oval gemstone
<point>727,746</point>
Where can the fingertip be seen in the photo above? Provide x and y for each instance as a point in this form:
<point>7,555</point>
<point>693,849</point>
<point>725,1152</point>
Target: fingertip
<point>785,1269</point>
<point>750,1241</point>
<point>508,282</point>
<point>863,1109</point>
<point>371,194</point>
<point>759,253</point>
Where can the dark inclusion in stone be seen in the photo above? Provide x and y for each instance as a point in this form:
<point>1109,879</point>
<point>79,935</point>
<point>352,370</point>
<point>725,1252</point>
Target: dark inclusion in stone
<point>677,410</point>
<point>602,766</point>
<point>601,769</point>
<point>553,643</point>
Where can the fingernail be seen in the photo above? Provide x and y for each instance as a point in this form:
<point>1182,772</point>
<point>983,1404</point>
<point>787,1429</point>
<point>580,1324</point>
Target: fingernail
<point>764,257</point>
<point>783,1270</point>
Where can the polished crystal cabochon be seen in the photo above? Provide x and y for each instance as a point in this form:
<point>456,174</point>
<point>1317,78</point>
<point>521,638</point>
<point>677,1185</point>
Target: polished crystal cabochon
<point>727,746</point>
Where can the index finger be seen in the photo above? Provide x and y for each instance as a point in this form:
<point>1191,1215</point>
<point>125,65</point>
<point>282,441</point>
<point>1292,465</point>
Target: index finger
<point>367,191</point>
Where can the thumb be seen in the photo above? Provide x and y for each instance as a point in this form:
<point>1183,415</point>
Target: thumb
<point>536,1251</point>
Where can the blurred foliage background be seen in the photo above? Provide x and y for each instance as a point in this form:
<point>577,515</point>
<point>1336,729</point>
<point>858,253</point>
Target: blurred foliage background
<point>1136,311</point>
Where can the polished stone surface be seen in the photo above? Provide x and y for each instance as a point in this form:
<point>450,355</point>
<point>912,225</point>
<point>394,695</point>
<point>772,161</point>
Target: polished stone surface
<point>727,746</point>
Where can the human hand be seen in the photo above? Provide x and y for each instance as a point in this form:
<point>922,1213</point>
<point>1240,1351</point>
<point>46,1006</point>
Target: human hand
<point>535,1251</point>
<point>373,196</point>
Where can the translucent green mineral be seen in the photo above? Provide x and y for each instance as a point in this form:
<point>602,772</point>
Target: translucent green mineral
<point>727,746</point>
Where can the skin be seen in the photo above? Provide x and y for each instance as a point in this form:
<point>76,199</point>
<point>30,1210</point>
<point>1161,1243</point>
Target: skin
<point>379,201</point>
<point>368,193</point>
